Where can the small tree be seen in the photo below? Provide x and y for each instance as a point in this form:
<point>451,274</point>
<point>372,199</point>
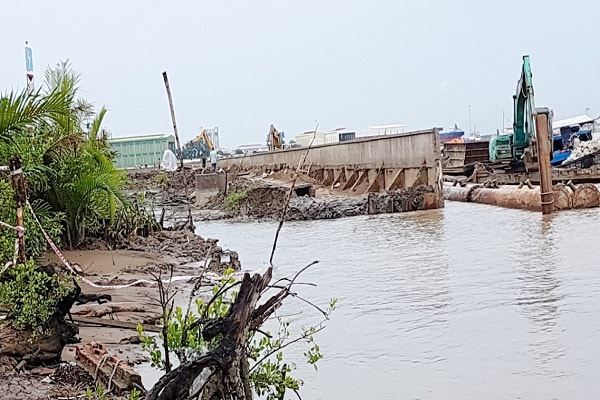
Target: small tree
<point>222,343</point>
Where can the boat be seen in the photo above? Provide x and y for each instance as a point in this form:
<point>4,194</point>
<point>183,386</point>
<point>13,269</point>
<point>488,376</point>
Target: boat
<point>455,133</point>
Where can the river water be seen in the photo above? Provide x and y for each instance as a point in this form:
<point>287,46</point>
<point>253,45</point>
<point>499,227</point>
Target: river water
<point>467,302</point>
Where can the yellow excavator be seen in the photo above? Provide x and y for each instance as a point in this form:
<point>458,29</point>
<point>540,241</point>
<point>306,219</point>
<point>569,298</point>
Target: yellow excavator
<point>203,136</point>
<point>274,140</point>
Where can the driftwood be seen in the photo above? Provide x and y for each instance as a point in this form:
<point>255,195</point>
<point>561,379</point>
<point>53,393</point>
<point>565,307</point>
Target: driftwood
<point>225,370</point>
<point>106,309</point>
<point>110,323</point>
<point>99,298</point>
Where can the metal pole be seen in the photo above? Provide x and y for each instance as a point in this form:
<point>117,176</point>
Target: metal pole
<point>470,130</point>
<point>164,74</point>
<point>20,189</point>
<point>543,149</point>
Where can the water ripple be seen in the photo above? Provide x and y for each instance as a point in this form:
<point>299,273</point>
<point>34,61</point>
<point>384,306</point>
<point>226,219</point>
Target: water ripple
<point>471,301</point>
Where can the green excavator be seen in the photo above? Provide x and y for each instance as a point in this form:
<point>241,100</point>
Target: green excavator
<point>517,150</point>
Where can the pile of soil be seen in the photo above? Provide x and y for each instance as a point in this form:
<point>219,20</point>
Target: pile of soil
<point>155,179</point>
<point>173,246</point>
<point>402,200</point>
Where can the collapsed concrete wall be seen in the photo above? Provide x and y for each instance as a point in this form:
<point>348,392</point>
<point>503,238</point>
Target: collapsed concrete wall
<point>373,164</point>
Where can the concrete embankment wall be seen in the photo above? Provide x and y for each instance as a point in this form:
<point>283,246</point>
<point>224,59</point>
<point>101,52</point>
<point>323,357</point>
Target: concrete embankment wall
<point>371,164</point>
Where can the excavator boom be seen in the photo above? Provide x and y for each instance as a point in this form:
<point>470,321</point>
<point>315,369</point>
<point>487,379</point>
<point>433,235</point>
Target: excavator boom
<point>274,138</point>
<point>511,147</point>
<point>524,108</point>
<point>203,136</point>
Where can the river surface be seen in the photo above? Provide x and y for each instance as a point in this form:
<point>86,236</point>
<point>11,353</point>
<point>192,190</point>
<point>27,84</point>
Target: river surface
<point>467,302</point>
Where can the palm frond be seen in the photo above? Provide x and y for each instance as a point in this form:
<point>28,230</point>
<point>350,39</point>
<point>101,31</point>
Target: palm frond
<point>19,112</point>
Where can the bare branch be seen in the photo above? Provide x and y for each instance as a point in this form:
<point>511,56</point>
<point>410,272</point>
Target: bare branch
<point>287,202</point>
<point>296,340</point>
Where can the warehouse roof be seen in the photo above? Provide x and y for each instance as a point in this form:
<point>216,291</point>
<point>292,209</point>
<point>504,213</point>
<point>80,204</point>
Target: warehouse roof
<point>141,138</point>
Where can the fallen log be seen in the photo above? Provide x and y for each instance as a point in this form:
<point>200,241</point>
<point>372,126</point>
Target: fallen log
<point>109,323</point>
<point>106,309</point>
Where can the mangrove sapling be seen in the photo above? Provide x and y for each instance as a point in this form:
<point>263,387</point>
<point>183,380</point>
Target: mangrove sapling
<point>226,347</point>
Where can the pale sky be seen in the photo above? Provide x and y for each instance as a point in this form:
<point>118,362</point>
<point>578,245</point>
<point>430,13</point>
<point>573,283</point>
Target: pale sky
<point>242,65</point>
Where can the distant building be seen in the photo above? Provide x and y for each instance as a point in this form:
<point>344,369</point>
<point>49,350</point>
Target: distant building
<point>334,136</point>
<point>136,151</point>
<point>253,148</point>
<point>381,130</point>
<point>306,138</point>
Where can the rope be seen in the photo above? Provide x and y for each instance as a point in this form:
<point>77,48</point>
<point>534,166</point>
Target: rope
<point>16,228</point>
<point>99,365</point>
<point>20,231</point>
<point>109,388</point>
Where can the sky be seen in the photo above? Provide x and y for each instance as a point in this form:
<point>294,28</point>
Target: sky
<point>242,65</point>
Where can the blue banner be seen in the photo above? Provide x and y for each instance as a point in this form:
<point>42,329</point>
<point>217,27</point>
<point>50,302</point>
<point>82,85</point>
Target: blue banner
<point>28,59</point>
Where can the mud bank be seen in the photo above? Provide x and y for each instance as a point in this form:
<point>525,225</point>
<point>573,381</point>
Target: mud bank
<point>113,323</point>
<point>266,199</point>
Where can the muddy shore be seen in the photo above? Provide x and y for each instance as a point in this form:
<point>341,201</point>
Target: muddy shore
<point>182,251</point>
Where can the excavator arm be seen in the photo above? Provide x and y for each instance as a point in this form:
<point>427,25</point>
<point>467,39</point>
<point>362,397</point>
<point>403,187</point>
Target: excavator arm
<point>512,147</point>
<point>274,138</point>
<point>203,136</point>
<point>524,109</point>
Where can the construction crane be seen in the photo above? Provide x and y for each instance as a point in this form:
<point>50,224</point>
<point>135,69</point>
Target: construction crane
<point>274,139</point>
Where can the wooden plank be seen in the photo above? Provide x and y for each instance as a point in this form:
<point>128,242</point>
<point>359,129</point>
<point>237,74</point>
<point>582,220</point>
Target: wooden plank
<point>109,323</point>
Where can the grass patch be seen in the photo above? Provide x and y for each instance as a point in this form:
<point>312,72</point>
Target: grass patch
<point>232,200</point>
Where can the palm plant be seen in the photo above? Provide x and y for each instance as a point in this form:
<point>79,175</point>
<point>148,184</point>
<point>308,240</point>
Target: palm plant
<point>68,172</point>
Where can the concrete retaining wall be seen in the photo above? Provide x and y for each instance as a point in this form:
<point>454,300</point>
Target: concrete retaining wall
<point>371,164</point>
<point>208,185</point>
<point>405,150</point>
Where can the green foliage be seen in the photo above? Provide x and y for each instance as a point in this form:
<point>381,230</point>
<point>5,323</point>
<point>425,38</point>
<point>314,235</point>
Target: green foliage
<point>134,218</point>
<point>70,173</point>
<point>98,393</point>
<point>232,200</point>
<point>135,394</point>
<point>34,239</point>
<point>270,376</point>
<point>31,296</point>
<point>162,179</point>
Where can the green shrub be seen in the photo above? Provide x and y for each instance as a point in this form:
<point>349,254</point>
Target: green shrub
<point>232,200</point>
<point>32,296</point>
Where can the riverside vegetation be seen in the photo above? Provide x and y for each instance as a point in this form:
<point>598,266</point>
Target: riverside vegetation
<point>77,194</point>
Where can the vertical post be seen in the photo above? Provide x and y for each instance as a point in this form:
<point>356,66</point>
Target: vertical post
<point>190,218</point>
<point>173,117</point>
<point>543,149</point>
<point>20,189</point>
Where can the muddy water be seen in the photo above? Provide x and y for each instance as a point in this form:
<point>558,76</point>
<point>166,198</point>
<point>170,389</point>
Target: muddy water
<point>466,302</point>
